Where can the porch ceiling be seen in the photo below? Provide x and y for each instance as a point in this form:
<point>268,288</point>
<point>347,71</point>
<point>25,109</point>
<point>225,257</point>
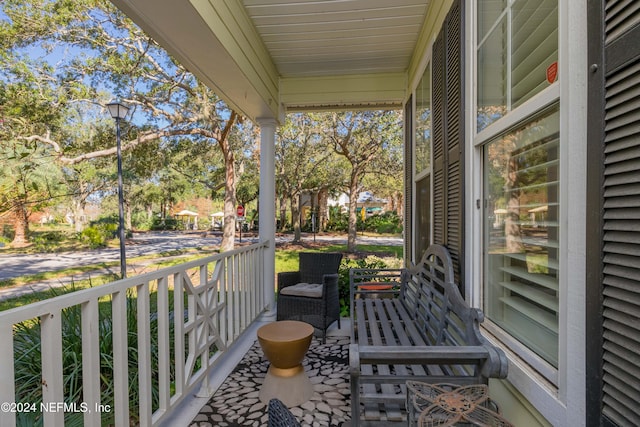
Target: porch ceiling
<point>268,56</point>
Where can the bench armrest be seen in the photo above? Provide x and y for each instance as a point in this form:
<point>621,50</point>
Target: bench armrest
<point>422,354</point>
<point>354,360</point>
<point>493,362</point>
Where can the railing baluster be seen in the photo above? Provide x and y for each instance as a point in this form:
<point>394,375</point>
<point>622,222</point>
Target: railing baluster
<point>7,374</point>
<point>246,286</point>
<point>237,297</point>
<point>144,354</point>
<point>230,301</point>
<point>218,278</point>
<point>191,331</point>
<point>164,347</point>
<point>52,385</point>
<point>120,359</point>
<point>91,361</point>
<point>178,319</point>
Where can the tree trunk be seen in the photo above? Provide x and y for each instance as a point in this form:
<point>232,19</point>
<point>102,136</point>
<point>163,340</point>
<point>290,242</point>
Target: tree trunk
<point>323,209</point>
<point>77,210</point>
<point>295,217</point>
<point>512,221</point>
<point>127,217</point>
<point>283,213</point>
<point>353,198</point>
<point>20,226</point>
<point>399,204</point>
<point>229,227</point>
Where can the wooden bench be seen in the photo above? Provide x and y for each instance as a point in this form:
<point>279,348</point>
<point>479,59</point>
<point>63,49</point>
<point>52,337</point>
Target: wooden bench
<point>417,327</point>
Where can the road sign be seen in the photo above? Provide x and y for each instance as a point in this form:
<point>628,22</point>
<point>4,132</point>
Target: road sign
<point>240,210</point>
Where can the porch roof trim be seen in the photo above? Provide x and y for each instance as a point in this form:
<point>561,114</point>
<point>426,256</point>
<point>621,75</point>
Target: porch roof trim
<point>266,57</point>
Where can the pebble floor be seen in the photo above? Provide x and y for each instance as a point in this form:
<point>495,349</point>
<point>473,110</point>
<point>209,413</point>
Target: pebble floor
<point>236,402</point>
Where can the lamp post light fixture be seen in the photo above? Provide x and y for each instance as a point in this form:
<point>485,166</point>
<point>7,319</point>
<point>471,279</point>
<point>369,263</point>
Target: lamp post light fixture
<point>118,111</point>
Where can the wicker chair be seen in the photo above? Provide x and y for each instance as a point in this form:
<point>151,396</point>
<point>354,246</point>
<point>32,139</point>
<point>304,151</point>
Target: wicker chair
<point>280,416</point>
<point>311,293</point>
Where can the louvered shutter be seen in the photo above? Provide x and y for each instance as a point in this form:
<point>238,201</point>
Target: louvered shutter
<point>448,137</point>
<point>621,214</point>
<point>408,180</point>
<point>438,126</point>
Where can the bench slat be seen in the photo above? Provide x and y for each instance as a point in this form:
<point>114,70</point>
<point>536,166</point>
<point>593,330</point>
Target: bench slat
<point>363,339</point>
<point>393,411</point>
<point>422,354</point>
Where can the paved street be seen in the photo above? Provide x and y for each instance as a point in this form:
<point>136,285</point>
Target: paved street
<point>144,244</point>
<point>141,244</point>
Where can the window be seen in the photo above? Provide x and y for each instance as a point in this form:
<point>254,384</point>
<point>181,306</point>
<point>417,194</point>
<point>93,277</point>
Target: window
<point>422,177</point>
<point>521,178</point>
<point>423,123</point>
<point>517,54</point>
<point>423,215</point>
<point>519,141</point>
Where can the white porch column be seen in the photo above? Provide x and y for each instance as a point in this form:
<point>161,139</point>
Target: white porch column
<point>267,215</point>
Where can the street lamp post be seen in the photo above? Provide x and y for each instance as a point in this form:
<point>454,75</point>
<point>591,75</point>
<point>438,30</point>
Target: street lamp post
<point>118,111</point>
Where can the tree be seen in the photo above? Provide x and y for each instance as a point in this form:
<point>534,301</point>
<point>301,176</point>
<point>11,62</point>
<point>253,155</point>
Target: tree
<point>28,102</point>
<point>117,57</point>
<point>300,157</point>
<point>362,137</point>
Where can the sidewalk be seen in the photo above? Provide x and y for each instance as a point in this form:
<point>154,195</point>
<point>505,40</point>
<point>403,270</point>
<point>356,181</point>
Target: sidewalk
<point>136,269</point>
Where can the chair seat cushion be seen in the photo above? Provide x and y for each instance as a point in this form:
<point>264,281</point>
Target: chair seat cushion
<point>310,290</point>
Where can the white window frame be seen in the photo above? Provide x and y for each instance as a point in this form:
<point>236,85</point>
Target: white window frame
<point>563,404</point>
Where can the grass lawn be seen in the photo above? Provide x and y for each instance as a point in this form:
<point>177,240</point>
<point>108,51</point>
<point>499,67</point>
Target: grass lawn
<point>286,260</point>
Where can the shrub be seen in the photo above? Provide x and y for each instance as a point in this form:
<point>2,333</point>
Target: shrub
<point>371,261</point>
<point>28,361</point>
<point>47,241</point>
<point>338,220</point>
<point>388,222</point>
<point>164,224</point>
<point>4,241</point>
<point>99,232</point>
<point>93,237</point>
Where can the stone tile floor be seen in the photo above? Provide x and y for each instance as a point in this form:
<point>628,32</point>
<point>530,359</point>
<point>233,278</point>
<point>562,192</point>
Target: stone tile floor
<point>236,402</point>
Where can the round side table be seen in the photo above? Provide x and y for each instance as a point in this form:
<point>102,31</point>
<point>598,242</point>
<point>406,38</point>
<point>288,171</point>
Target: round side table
<point>285,344</point>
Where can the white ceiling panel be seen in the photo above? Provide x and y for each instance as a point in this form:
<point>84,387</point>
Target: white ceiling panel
<point>338,36</point>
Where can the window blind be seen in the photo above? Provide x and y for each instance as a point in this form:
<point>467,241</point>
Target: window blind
<point>521,232</point>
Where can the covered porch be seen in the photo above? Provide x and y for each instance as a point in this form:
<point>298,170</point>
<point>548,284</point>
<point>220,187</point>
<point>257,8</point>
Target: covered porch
<point>266,58</point>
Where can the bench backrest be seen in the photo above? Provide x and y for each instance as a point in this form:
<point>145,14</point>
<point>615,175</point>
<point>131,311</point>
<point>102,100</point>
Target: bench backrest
<point>429,293</point>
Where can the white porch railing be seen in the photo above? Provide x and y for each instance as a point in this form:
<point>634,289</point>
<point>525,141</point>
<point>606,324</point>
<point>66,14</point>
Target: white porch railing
<point>162,330</point>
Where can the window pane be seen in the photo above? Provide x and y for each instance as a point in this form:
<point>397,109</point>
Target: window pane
<point>492,76</point>
<point>517,44</point>
<point>488,14</point>
<point>534,41</point>
<point>521,234</point>
<point>423,122</point>
<point>423,215</point>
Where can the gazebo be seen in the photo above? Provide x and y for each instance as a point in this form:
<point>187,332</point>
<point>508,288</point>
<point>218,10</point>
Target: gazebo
<point>186,217</point>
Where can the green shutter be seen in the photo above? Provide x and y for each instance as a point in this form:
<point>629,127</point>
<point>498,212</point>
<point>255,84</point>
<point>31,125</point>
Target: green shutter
<point>621,215</point>
<point>448,137</point>
<point>408,181</point>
